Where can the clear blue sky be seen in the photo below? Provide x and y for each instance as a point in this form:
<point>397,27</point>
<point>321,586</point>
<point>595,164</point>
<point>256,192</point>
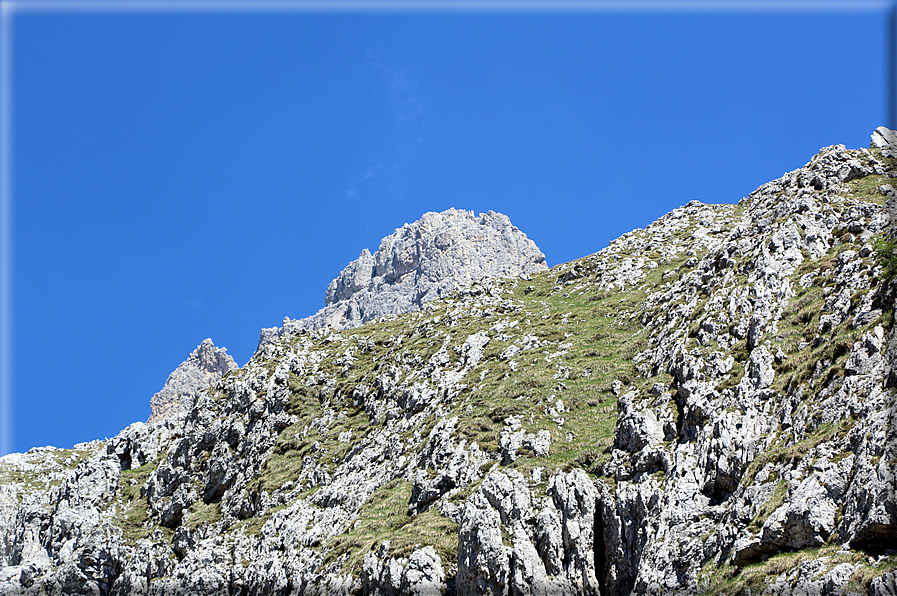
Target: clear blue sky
<point>193,175</point>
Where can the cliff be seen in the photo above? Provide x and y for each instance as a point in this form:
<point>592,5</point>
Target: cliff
<point>704,406</point>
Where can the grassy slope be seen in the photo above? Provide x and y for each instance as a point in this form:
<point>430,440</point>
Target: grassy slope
<point>588,340</point>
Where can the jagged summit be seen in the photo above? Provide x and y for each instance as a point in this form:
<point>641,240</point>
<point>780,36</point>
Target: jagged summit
<point>205,365</point>
<point>439,251</point>
<point>421,262</point>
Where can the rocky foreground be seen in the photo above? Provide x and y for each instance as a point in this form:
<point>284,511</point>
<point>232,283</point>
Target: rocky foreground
<point>704,406</point>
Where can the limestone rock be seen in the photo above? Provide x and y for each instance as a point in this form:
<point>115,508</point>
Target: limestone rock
<point>420,574</point>
<point>804,521</point>
<point>552,537</point>
<point>424,261</point>
<point>443,466</point>
<point>883,137</point>
<point>886,585</point>
<point>513,438</point>
<point>205,365</point>
<point>639,426</point>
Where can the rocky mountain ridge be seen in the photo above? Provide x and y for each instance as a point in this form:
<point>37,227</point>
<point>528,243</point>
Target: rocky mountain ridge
<point>704,406</point>
<point>418,263</point>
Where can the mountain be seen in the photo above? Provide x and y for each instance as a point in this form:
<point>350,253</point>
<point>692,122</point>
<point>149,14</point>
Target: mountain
<point>421,262</point>
<point>204,367</point>
<point>418,263</point>
<point>704,406</point>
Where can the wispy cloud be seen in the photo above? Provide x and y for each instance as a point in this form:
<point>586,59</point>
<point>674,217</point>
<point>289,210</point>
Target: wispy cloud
<point>391,161</point>
<point>372,170</point>
<point>402,90</point>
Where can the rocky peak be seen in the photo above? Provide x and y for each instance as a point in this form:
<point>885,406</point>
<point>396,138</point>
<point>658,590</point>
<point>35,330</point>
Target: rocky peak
<point>205,365</point>
<point>421,262</point>
<point>883,137</point>
<point>436,253</point>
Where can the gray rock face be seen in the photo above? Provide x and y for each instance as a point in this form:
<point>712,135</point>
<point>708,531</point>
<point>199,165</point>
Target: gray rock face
<point>424,260</point>
<point>552,535</point>
<point>886,585</point>
<point>420,574</point>
<point>201,369</point>
<point>421,262</point>
<point>513,438</point>
<point>457,465</point>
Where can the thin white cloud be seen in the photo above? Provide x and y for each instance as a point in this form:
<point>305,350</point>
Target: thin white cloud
<point>398,148</point>
<point>372,171</point>
<point>399,85</point>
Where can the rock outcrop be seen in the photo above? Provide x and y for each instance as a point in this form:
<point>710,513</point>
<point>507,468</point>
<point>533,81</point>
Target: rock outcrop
<point>705,406</point>
<point>552,537</point>
<point>421,262</point>
<point>205,365</point>
<point>883,137</point>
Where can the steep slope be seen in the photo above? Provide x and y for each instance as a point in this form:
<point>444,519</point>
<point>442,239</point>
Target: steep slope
<point>705,406</point>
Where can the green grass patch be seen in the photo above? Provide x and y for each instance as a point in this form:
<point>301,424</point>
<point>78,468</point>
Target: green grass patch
<point>886,255</point>
<point>134,508</point>
<point>774,502</point>
<point>202,514</point>
<point>866,189</point>
<point>385,517</point>
<point>728,580</point>
<point>791,453</point>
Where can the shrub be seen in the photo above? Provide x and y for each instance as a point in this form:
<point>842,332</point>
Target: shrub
<point>886,255</point>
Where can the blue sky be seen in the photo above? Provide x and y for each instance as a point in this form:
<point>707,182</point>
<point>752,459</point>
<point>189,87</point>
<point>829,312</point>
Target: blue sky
<point>187,175</point>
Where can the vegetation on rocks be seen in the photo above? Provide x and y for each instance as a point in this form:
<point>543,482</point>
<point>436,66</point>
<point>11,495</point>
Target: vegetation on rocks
<point>704,406</point>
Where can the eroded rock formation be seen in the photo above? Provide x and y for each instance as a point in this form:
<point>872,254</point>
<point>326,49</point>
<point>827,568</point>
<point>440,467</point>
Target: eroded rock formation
<point>205,365</point>
<point>421,262</point>
<point>707,405</point>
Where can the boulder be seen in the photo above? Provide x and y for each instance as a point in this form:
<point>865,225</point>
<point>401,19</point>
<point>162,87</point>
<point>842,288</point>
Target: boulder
<point>883,137</point>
